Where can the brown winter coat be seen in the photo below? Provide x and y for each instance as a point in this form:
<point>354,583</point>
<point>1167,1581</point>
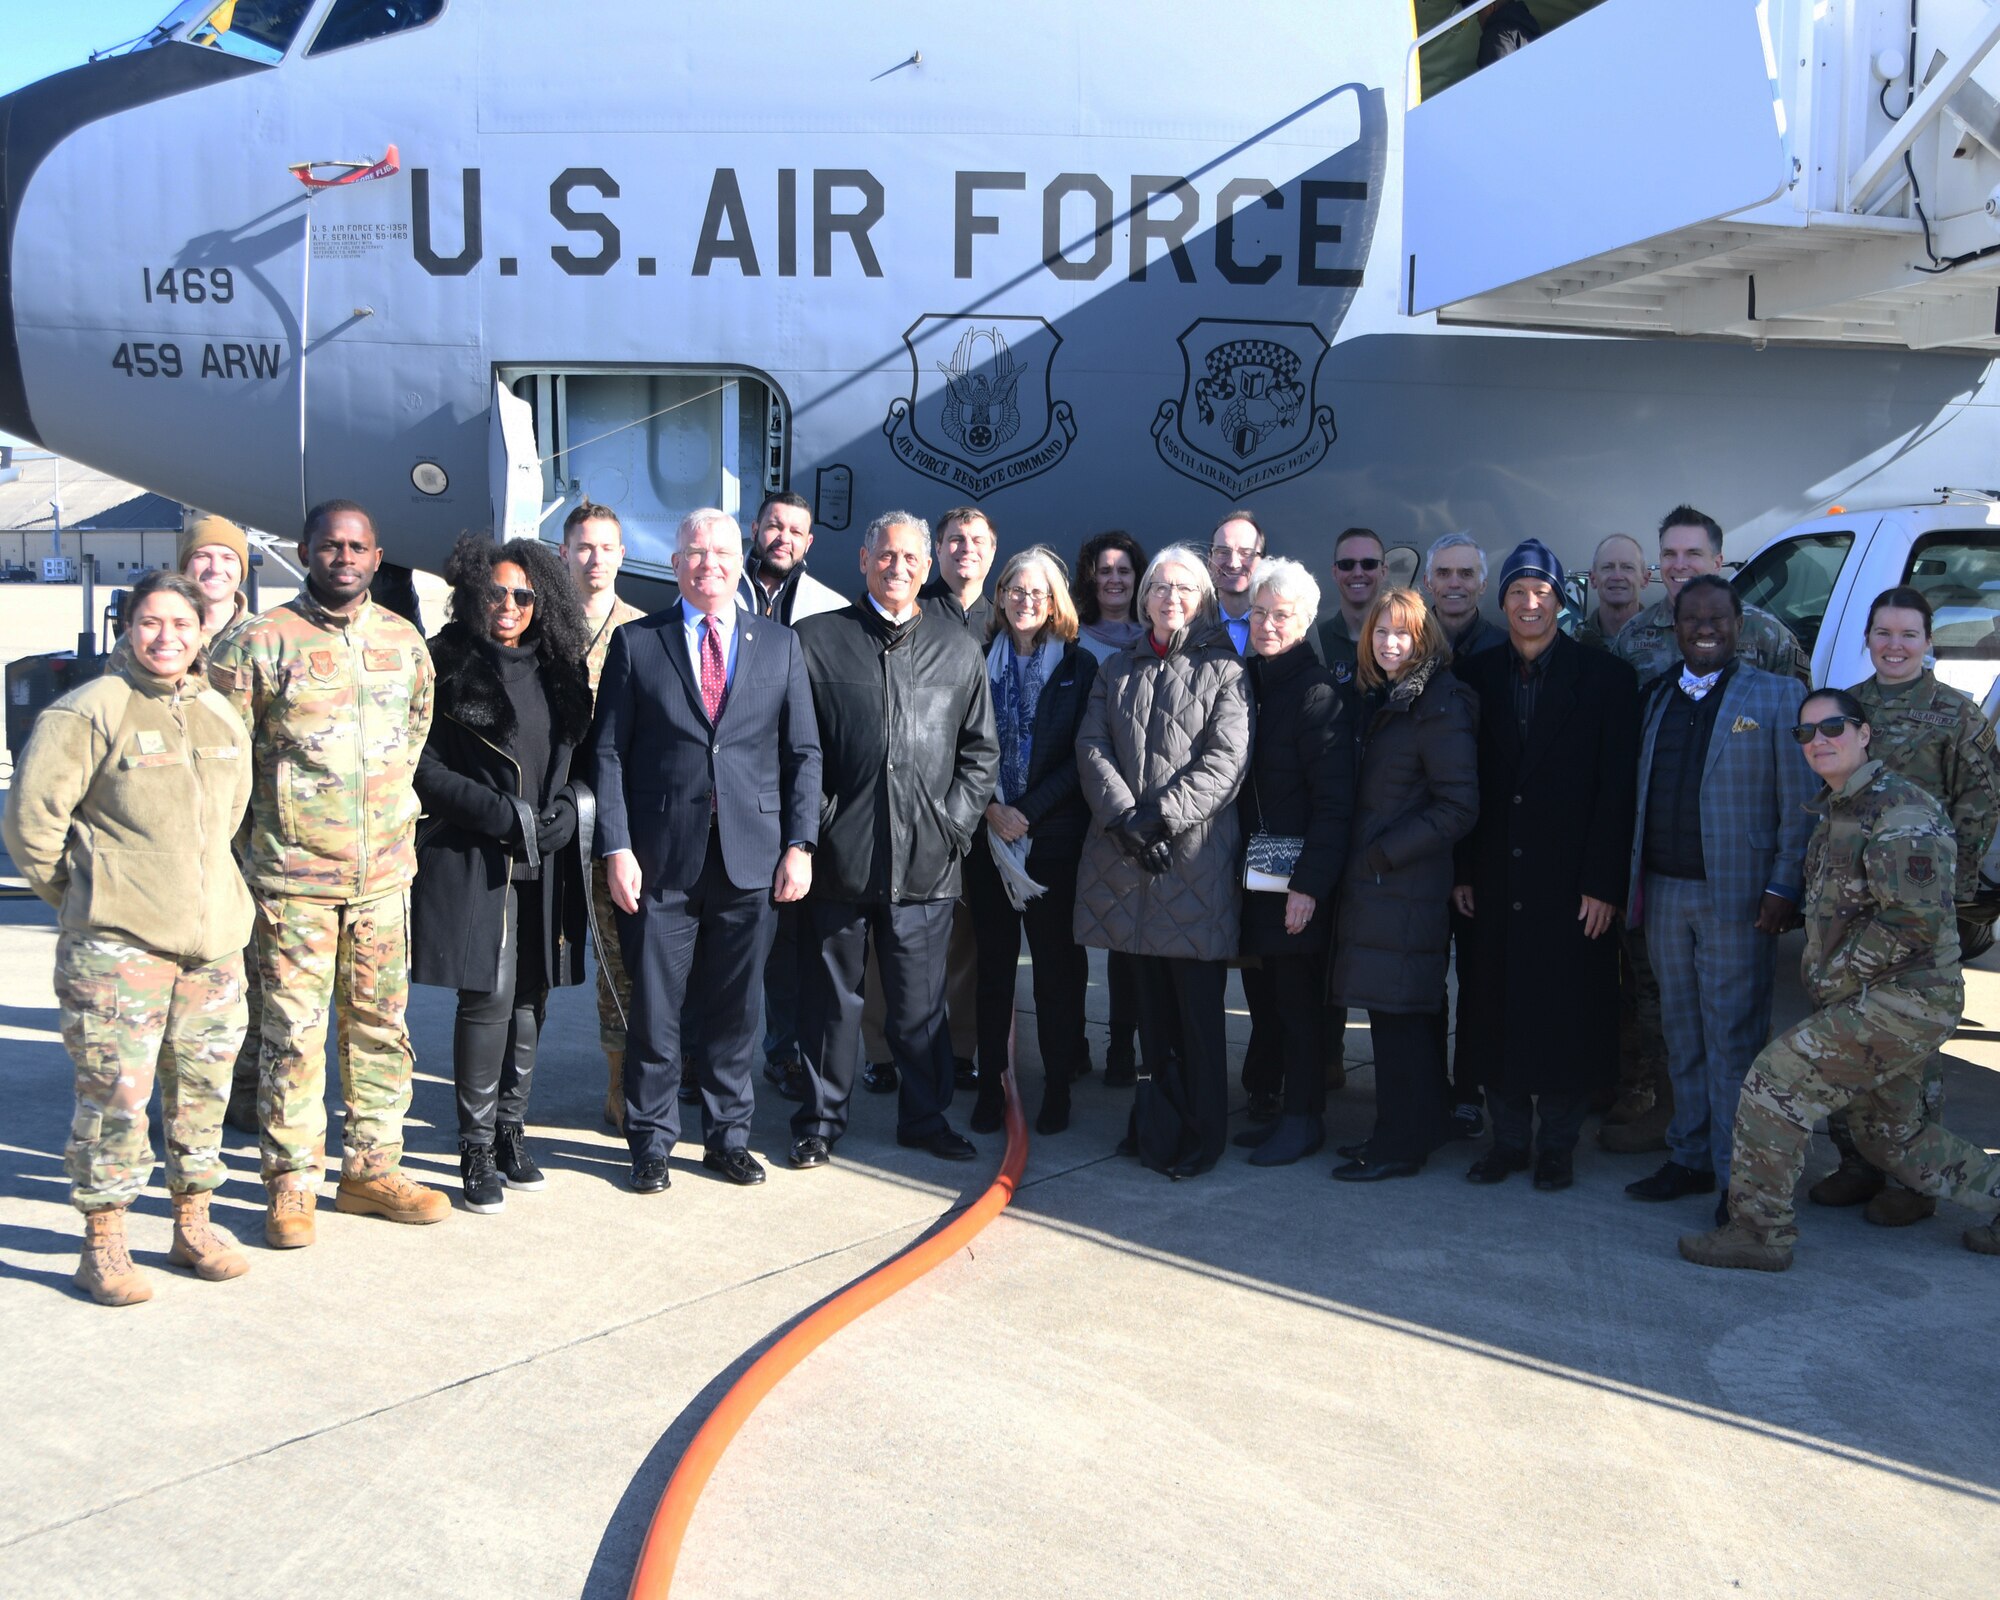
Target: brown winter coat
<point>1416,795</point>
<point>123,808</point>
<point>1175,732</point>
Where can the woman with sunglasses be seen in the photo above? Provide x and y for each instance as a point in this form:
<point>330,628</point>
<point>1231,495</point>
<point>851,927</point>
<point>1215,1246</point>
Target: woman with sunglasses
<point>1937,738</point>
<point>497,910</point>
<point>1881,969</point>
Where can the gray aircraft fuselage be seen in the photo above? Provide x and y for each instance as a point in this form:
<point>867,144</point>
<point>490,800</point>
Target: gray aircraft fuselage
<point>1083,267</point>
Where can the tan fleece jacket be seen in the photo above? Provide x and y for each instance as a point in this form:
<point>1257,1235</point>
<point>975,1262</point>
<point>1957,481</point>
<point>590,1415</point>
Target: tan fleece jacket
<point>123,807</point>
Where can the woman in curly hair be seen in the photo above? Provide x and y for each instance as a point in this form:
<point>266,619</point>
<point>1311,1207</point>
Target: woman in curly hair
<point>497,911</point>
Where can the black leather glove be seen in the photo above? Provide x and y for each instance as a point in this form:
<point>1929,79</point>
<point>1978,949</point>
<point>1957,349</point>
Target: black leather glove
<point>1119,829</point>
<point>556,826</point>
<point>1146,824</point>
<point>1158,856</point>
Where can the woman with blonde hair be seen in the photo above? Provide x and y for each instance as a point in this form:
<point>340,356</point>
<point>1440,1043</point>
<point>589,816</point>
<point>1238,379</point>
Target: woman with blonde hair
<point>1416,795</point>
<point>1041,681</point>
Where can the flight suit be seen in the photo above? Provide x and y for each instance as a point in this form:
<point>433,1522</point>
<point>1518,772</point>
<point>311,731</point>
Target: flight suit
<point>1881,966</point>
<point>1936,737</point>
<point>338,709</point>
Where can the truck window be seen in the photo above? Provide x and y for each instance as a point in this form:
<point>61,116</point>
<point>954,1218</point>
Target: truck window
<point>1959,573</point>
<point>1793,580</point>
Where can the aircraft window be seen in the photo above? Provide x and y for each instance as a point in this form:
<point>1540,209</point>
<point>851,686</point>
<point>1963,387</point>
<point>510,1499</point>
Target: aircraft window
<point>656,445</point>
<point>358,21</point>
<point>1794,581</point>
<point>1959,573</point>
<point>257,30</point>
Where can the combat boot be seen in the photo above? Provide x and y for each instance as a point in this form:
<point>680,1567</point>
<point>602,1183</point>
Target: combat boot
<point>1854,1182</point>
<point>614,1096</point>
<point>1629,1107</point>
<point>288,1211</point>
<point>391,1195</point>
<point>204,1247</point>
<point>1733,1245</point>
<point>1984,1240</point>
<point>106,1272</point>
<point>1645,1132</point>
<point>1897,1207</point>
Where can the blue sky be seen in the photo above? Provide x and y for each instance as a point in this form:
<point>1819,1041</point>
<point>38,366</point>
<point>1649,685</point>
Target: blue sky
<point>36,39</point>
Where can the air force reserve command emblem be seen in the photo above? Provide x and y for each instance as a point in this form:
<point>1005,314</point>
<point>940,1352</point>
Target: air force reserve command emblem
<point>1247,415</point>
<point>980,415</point>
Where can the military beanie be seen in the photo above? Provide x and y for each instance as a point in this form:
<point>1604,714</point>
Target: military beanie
<point>207,530</point>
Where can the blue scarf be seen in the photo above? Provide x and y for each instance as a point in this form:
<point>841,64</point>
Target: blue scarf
<point>1017,683</point>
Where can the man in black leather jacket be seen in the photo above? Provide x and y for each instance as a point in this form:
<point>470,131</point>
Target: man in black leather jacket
<point>910,758</point>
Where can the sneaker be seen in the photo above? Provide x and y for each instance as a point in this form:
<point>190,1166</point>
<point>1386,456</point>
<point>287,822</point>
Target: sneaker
<point>483,1190</point>
<point>510,1155</point>
<point>1466,1121</point>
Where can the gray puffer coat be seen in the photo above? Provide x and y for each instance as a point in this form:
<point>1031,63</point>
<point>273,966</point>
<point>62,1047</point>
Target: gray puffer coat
<point>1415,796</point>
<point>1175,731</point>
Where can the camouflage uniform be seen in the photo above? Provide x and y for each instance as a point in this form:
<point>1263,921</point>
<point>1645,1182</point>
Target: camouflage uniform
<point>128,1012</point>
<point>1881,964</point>
<point>1936,737</point>
<point>338,709</point>
<point>1648,643</point>
<point>614,985</point>
<point>243,1077</point>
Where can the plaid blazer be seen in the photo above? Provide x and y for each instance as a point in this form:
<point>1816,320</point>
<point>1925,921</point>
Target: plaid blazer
<point>1754,791</point>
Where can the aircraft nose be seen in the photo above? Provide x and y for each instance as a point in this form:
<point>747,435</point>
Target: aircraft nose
<point>13,393</point>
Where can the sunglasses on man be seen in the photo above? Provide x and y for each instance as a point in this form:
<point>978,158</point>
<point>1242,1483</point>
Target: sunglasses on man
<point>1362,563</point>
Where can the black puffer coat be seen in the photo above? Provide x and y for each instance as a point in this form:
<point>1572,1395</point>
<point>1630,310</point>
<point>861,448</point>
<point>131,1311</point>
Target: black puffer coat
<point>1175,731</point>
<point>909,756</point>
<point>1416,795</point>
<point>470,834</point>
<point>1301,784</point>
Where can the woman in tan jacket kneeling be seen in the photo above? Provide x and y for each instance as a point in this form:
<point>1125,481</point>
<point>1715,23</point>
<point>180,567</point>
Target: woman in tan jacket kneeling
<point>120,816</point>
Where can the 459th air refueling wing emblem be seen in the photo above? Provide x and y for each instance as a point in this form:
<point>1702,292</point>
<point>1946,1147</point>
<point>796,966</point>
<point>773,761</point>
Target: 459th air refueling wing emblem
<point>1246,415</point>
<point>979,414</point>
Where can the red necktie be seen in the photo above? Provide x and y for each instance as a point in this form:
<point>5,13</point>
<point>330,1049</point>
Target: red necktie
<point>714,677</point>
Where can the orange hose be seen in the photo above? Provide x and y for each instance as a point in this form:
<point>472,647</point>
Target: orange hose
<point>654,1575</point>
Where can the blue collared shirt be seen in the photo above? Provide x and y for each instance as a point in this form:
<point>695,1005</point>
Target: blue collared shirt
<point>1239,631</point>
<point>691,621</point>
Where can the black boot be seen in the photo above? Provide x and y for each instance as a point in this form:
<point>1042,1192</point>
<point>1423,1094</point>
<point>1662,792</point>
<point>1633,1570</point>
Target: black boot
<point>1294,1136</point>
<point>510,1155</point>
<point>1121,1063</point>
<point>1054,1115</point>
<point>989,1111</point>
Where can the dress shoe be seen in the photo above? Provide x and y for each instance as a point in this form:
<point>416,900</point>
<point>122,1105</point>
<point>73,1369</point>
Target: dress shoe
<point>650,1176</point>
<point>1554,1169</point>
<point>1053,1116</point>
<point>1252,1137</point>
<point>879,1077</point>
<point>989,1111</point>
<point>811,1151</point>
<point>1372,1171</point>
<point>1293,1138</point>
<point>1193,1167</point>
<point>787,1077</point>
<point>1497,1166</point>
<point>944,1144</point>
<point>1358,1151</point>
<point>1644,1133</point>
<point>1854,1182</point>
<point>1671,1182</point>
<point>964,1072</point>
<point>1733,1245</point>
<point>1897,1207</point>
<point>738,1166</point>
<point>1265,1107</point>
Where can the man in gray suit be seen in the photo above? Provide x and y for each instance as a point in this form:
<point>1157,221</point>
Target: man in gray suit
<point>1718,865</point>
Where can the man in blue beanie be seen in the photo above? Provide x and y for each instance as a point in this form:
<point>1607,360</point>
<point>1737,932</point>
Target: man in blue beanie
<point>1542,879</point>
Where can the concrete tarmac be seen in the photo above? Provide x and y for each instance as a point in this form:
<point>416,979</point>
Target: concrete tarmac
<point>1256,1383</point>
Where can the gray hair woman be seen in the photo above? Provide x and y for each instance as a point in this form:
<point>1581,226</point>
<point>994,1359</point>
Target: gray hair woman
<point>120,816</point>
<point>1162,751</point>
<point>1301,788</point>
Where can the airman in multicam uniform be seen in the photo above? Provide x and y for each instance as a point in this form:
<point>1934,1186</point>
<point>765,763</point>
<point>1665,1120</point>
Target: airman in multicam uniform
<point>120,816</point>
<point>336,693</point>
<point>1881,966</point>
<point>593,547</point>
<point>1936,737</point>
